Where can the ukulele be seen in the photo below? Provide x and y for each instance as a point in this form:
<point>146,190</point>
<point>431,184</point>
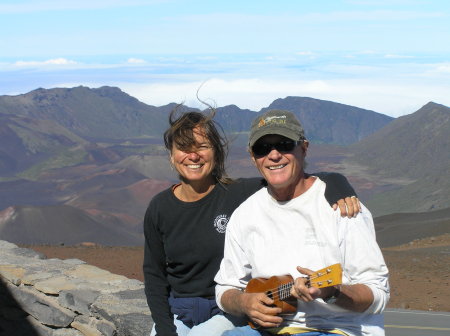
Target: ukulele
<point>278,288</point>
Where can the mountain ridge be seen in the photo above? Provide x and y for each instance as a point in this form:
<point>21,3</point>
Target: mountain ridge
<point>109,113</point>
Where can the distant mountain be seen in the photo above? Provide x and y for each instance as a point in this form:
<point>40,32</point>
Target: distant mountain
<point>108,113</point>
<point>80,206</point>
<point>332,123</point>
<point>61,224</point>
<point>411,153</point>
<point>410,145</point>
<point>233,119</point>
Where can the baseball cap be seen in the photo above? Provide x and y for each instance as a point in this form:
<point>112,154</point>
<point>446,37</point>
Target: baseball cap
<point>278,122</point>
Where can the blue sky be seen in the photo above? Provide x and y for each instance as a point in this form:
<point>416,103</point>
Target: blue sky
<point>389,56</point>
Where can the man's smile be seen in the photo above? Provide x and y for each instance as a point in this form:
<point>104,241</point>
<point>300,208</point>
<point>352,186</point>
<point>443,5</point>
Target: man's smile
<point>277,167</point>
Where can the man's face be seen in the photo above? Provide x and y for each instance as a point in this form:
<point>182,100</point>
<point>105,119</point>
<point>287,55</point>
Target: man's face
<point>281,168</point>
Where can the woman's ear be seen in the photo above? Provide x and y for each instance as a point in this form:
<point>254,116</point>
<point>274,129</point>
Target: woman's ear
<point>305,145</point>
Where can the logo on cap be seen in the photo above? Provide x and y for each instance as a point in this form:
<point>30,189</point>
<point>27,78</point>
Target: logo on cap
<point>272,120</point>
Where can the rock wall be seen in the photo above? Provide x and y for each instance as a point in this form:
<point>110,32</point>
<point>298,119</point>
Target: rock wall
<point>53,297</point>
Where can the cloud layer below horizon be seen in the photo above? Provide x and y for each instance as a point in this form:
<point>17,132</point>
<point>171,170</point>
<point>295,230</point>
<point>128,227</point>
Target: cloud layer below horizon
<point>392,85</point>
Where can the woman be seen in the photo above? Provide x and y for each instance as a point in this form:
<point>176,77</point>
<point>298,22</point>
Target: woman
<point>184,227</point>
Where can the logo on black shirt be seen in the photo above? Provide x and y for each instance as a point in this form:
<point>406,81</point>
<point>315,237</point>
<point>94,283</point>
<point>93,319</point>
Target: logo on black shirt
<point>220,223</point>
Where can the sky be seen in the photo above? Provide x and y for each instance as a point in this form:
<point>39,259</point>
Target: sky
<point>389,56</point>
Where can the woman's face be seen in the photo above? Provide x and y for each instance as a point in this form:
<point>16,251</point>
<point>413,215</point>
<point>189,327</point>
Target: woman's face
<point>197,163</point>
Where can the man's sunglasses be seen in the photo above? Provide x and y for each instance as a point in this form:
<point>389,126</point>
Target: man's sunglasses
<point>263,148</point>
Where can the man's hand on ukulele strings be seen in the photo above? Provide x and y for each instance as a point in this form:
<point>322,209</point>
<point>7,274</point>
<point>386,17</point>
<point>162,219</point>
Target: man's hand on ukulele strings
<point>302,291</point>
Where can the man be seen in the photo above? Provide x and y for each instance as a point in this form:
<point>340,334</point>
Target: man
<point>288,228</point>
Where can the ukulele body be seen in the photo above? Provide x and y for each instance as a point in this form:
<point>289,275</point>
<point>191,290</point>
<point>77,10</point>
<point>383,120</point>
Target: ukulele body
<point>278,289</point>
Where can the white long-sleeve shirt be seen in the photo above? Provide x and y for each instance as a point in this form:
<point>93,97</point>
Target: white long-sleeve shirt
<point>265,238</point>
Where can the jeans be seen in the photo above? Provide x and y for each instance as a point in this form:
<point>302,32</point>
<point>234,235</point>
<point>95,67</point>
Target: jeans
<point>216,325</point>
<point>248,331</point>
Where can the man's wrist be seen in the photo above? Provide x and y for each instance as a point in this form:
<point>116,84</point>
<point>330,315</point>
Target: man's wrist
<point>334,296</point>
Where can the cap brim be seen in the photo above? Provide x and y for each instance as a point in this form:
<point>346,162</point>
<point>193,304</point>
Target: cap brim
<point>283,131</point>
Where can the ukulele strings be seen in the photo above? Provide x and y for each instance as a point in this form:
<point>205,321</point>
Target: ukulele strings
<point>283,287</point>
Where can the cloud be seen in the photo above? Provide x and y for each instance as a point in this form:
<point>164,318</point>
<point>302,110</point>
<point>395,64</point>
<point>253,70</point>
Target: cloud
<point>283,19</point>
<point>397,56</point>
<point>443,68</point>
<point>136,61</point>
<point>438,70</point>
<point>55,62</point>
<point>305,53</point>
<point>22,6</point>
<point>373,16</point>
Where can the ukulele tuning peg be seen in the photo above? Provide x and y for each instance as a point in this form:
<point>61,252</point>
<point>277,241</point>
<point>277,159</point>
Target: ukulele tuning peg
<point>319,283</point>
<point>328,270</point>
<point>330,281</point>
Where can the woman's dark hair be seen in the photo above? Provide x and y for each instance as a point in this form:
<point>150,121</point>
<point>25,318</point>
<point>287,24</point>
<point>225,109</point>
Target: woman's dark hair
<point>181,134</point>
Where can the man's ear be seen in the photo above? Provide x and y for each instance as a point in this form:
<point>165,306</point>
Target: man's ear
<point>252,156</point>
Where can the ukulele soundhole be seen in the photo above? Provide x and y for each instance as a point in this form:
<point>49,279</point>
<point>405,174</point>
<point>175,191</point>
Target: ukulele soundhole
<point>270,295</point>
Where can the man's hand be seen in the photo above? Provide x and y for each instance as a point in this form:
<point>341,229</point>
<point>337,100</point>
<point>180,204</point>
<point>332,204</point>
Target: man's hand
<point>357,297</point>
<point>257,306</point>
<point>348,206</point>
<point>301,291</point>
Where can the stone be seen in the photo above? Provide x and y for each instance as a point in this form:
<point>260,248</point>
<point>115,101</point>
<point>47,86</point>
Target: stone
<point>91,326</point>
<point>55,285</point>
<point>12,273</point>
<point>32,278</point>
<point>73,261</point>
<point>128,311</point>
<point>4,245</point>
<point>94,274</point>
<point>133,324</point>
<point>67,332</point>
<point>78,300</point>
<point>42,307</point>
<point>53,297</point>
<point>38,327</point>
<point>107,305</point>
<point>28,253</point>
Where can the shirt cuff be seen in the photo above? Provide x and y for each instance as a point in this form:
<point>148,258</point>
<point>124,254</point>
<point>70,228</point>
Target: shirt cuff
<point>380,300</point>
